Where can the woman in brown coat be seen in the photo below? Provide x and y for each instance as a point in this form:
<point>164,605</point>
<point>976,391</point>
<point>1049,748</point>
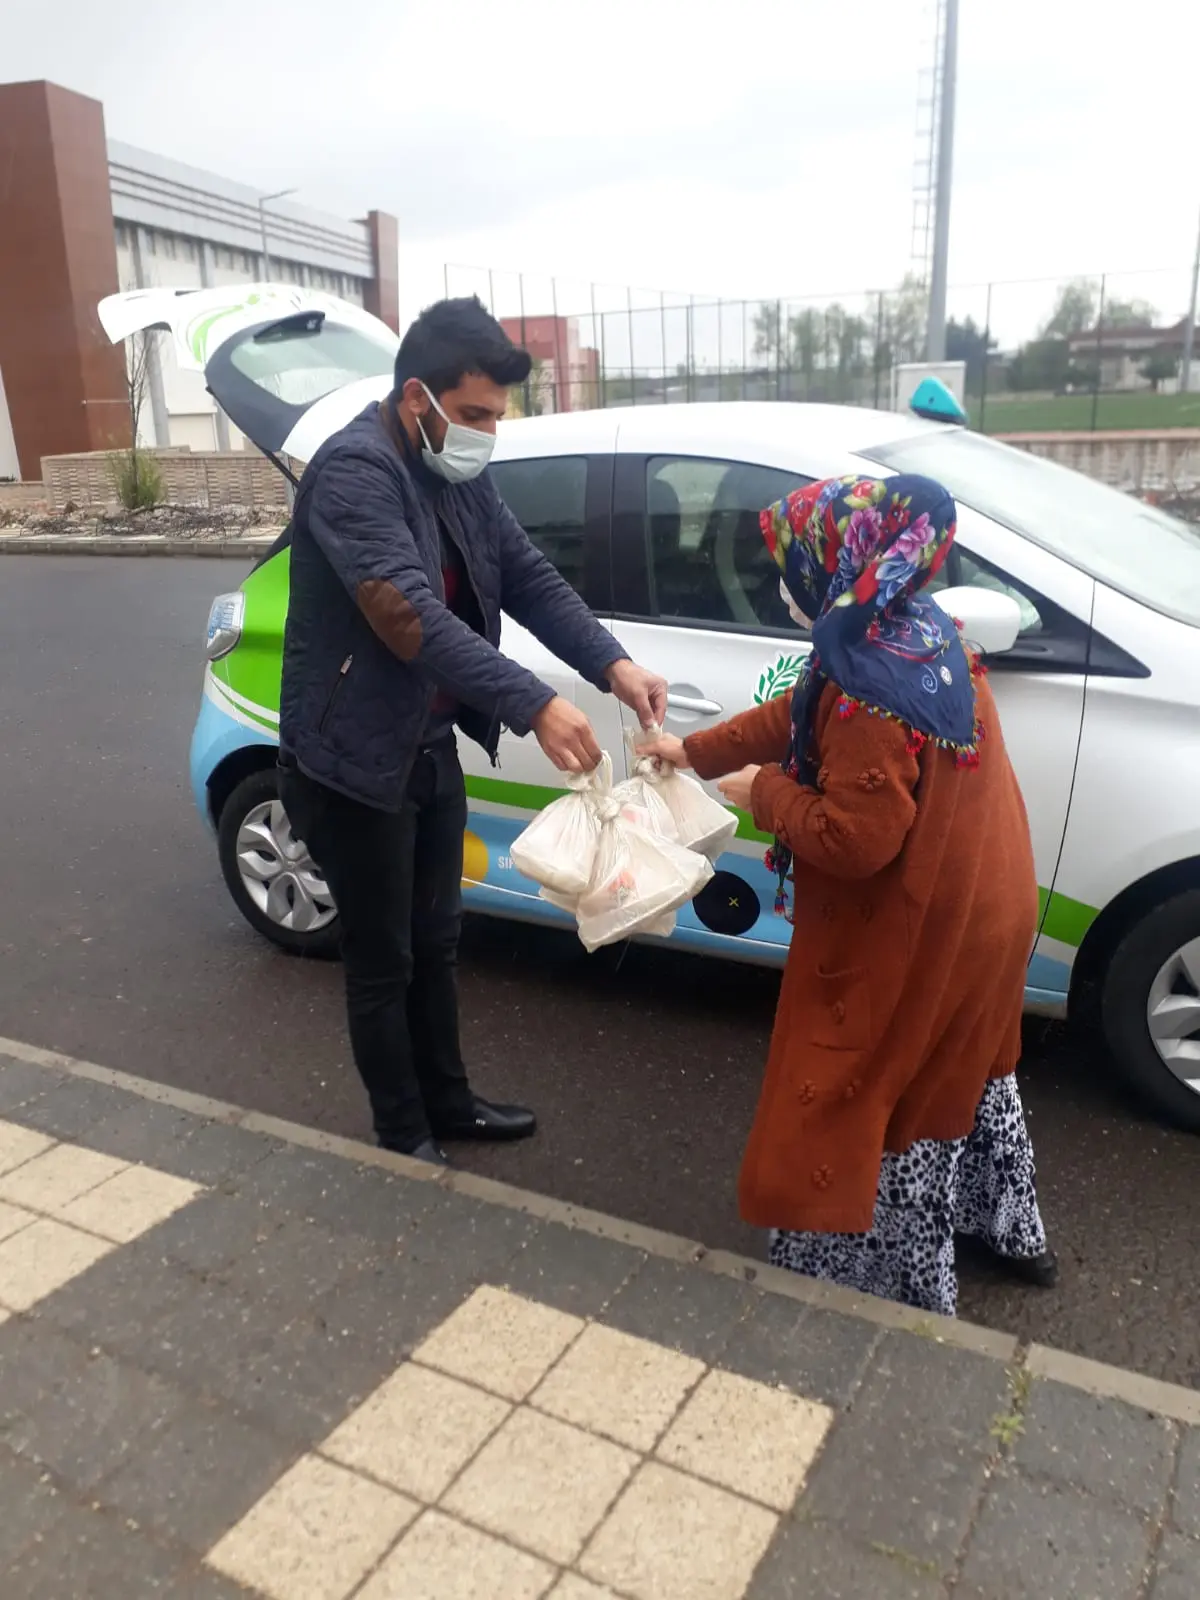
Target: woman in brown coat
<point>889,1117</point>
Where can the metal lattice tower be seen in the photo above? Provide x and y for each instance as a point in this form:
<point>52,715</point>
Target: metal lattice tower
<point>929,104</point>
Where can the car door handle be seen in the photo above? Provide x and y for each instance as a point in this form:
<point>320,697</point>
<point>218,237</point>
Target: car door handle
<point>695,703</point>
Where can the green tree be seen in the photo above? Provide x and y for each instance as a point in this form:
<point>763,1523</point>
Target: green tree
<point>1128,314</point>
<point>806,331</point>
<point>903,323</point>
<point>967,342</point>
<point>1158,365</point>
<point>1074,310</point>
<point>767,331</point>
<point>1040,364</point>
<point>136,476</point>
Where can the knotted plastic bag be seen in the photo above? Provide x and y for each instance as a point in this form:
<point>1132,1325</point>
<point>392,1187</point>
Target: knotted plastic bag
<point>558,847</point>
<point>641,800</point>
<point>639,878</point>
<point>700,822</point>
<point>661,927</point>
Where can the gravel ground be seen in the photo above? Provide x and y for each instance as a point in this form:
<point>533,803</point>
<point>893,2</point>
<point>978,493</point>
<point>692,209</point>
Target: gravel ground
<point>174,522</point>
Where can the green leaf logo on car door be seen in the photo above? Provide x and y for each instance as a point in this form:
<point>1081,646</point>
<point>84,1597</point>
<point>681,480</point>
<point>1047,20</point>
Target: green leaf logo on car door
<point>778,678</point>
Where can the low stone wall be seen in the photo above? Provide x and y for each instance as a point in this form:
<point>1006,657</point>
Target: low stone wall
<point>210,478</point>
<point>23,497</point>
<point>1141,461</point>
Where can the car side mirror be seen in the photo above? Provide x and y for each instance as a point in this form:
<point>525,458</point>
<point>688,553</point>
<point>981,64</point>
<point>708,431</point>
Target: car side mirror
<point>989,619</point>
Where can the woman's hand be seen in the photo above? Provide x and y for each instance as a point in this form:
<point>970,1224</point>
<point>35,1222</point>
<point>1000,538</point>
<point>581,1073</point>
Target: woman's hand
<point>737,786</point>
<point>666,747</point>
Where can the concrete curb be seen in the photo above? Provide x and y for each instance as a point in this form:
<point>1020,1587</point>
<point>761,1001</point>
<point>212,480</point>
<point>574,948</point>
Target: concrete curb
<point>1040,1361</point>
<point>29,544</point>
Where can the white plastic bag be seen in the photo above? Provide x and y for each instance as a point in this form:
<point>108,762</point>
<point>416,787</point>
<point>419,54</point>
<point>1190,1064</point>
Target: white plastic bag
<point>558,847</point>
<point>658,928</point>
<point>638,879</point>
<point>701,823</point>
<point>643,804</point>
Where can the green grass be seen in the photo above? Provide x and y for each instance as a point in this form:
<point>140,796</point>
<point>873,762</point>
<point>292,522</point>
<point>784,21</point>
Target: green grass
<point>1042,413</point>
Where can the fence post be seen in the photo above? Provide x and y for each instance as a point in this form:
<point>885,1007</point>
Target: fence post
<point>691,348</point>
<point>987,337</point>
<point>720,349</point>
<point>1099,349</point>
<point>632,368</point>
<point>603,362</point>
<point>597,346</point>
<point>526,386</point>
<point>876,363</point>
<point>662,335</point>
<point>779,349</point>
<point>558,405</point>
<point>745,351</point>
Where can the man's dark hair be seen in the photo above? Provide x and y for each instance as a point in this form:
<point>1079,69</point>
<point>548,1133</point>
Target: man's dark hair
<point>454,337</point>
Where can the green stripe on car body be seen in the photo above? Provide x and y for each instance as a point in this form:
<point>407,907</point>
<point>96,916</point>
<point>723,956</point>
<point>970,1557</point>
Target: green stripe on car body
<point>1067,920</point>
<point>535,797</point>
<point>1059,917</point>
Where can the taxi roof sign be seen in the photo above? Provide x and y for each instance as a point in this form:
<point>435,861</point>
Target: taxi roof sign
<point>934,401</point>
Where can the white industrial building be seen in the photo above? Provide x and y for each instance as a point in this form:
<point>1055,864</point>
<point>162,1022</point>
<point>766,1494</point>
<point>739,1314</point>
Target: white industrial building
<point>180,228</point>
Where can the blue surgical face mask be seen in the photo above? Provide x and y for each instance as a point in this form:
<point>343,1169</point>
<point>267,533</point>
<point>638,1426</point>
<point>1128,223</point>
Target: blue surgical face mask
<point>464,453</point>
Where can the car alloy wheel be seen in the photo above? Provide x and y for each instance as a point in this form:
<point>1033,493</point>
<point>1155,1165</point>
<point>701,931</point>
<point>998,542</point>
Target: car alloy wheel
<point>1173,1014</point>
<point>279,874</point>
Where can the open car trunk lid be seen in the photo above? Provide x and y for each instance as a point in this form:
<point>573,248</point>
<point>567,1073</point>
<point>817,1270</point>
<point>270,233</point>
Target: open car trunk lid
<point>288,366</point>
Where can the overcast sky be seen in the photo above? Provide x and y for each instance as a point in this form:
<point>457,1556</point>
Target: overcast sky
<point>763,147</point>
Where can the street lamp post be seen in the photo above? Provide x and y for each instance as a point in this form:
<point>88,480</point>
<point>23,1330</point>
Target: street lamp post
<point>264,200</point>
<point>936,327</point>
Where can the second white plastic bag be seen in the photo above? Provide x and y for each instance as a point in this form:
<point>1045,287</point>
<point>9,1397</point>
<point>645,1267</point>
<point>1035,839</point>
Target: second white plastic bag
<point>660,927</point>
<point>558,847</point>
<point>638,879</point>
<point>700,822</point>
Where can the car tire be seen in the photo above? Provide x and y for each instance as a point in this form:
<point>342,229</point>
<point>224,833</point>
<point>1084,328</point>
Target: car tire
<point>272,878</point>
<point>1145,968</point>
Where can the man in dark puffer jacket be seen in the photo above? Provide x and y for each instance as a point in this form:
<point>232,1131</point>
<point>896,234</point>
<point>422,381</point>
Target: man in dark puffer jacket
<point>403,557</point>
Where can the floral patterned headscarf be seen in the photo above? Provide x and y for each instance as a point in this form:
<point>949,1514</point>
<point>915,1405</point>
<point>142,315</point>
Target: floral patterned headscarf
<point>855,554</point>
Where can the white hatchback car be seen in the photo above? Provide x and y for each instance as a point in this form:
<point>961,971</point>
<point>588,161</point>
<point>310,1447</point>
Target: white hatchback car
<point>652,514</point>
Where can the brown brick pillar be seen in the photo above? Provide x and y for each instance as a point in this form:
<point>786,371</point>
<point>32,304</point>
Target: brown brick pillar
<point>64,382</point>
<point>381,297</point>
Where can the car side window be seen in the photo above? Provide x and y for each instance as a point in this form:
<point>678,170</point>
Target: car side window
<point>548,497</point>
<point>966,569</point>
<point>706,556</point>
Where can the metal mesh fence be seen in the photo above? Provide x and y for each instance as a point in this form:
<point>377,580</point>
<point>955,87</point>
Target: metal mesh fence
<point>1093,352</point>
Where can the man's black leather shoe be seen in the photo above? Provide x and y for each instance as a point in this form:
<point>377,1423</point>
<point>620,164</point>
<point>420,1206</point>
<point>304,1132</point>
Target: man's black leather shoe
<point>488,1122</point>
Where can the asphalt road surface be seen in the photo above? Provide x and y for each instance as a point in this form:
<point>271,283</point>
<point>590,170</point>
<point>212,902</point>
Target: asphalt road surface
<point>119,944</point>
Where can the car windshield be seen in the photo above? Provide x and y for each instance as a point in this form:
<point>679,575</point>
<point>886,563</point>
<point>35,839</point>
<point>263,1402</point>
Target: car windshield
<point>1133,547</point>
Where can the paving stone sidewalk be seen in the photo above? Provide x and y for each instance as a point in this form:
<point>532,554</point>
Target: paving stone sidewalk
<point>238,1357</point>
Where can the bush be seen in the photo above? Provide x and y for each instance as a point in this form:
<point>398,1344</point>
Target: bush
<point>138,480</point>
